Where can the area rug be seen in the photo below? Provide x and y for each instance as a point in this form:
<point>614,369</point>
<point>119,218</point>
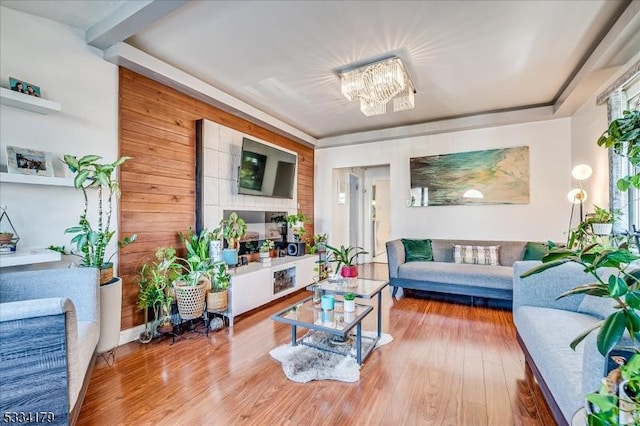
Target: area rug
<point>303,364</point>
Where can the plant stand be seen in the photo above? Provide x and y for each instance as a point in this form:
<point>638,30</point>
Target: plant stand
<point>110,321</point>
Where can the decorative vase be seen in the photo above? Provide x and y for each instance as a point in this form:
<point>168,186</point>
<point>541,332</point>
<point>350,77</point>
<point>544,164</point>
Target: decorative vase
<point>349,271</point>
<point>626,405</point>
<point>190,299</point>
<point>110,311</point>
<point>602,229</point>
<point>349,305</point>
<point>216,301</point>
<point>264,254</point>
<point>230,256</point>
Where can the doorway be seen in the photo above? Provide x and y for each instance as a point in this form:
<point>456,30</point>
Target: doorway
<point>380,220</point>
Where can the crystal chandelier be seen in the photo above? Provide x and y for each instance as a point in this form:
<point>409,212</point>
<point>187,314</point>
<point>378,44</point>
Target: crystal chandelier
<point>376,84</point>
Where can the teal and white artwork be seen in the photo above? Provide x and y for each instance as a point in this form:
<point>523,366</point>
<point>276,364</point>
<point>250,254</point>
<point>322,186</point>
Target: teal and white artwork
<point>492,176</point>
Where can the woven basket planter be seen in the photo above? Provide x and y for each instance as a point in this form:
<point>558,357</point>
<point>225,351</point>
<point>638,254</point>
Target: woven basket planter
<point>190,299</point>
<point>217,301</point>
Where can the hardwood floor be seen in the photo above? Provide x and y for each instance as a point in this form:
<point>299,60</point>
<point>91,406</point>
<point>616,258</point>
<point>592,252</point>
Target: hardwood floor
<point>449,364</point>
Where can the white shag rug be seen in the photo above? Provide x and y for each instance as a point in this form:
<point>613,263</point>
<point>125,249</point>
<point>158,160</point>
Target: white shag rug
<point>303,364</point>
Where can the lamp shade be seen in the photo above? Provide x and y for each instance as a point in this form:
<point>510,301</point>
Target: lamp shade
<point>577,196</point>
<point>581,172</point>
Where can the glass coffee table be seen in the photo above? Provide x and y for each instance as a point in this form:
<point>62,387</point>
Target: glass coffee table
<point>328,330</point>
<point>365,289</point>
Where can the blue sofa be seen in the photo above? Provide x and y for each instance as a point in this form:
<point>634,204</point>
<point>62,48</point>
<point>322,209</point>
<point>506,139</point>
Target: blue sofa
<point>444,276</point>
<point>546,326</point>
<point>49,329</point>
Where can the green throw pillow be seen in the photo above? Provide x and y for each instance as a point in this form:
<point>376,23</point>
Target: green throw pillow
<point>535,251</point>
<point>417,250</point>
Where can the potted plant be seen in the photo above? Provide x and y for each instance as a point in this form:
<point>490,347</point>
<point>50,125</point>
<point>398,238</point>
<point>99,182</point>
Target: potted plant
<point>349,302</point>
<point>596,224</point>
<point>344,258</point>
<point>5,237</point>
<point>618,399</point>
<point>217,298</point>
<point>191,286</point>
<point>623,136</point>
<point>296,224</point>
<point>91,242</point>
<point>265,248</point>
<point>232,230</point>
<point>154,285</point>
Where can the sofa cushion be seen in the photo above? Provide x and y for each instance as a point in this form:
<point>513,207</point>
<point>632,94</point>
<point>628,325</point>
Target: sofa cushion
<point>510,251</point>
<point>417,250</point>
<point>600,307</point>
<point>476,255</point>
<point>458,273</point>
<point>547,333</point>
<point>535,251</point>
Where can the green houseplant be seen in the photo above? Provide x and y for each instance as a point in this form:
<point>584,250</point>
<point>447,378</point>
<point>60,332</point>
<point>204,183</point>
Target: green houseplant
<point>349,302</point>
<point>92,241</point>
<point>266,247</point>
<point>217,298</point>
<point>154,285</point>
<point>623,136</point>
<point>232,230</point>
<point>296,223</point>
<point>598,223</point>
<point>344,258</point>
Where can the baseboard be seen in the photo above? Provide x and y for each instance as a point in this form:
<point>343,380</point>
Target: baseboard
<point>130,334</point>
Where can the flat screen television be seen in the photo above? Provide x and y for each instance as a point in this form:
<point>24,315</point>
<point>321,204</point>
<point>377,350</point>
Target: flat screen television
<point>266,170</point>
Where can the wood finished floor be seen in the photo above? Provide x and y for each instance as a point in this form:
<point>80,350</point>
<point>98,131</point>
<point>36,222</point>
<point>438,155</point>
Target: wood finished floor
<point>449,364</point>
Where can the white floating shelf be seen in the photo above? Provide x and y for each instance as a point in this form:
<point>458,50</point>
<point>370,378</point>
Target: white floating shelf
<point>29,256</point>
<point>30,103</point>
<point>35,180</point>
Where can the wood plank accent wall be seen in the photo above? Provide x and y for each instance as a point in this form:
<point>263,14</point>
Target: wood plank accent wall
<point>157,129</point>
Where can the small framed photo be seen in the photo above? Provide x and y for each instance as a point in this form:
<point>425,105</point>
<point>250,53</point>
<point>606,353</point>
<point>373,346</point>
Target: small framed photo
<point>29,161</point>
<point>24,87</point>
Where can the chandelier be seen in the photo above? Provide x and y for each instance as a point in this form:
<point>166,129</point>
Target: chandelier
<point>375,84</point>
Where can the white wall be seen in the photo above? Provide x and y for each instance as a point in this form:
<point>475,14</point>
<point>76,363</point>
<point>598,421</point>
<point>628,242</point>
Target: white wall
<point>545,217</point>
<point>587,124</point>
<point>56,58</point>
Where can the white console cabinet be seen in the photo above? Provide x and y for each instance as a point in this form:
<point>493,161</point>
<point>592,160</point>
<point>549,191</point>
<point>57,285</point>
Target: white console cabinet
<point>254,285</point>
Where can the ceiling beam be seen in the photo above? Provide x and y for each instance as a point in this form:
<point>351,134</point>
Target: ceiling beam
<point>127,56</point>
<point>616,48</point>
<point>127,20</point>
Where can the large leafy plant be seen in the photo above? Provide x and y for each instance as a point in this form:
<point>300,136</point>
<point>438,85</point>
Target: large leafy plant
<point>623,136</point>
<point>92,241</point>
<point>232,230</point>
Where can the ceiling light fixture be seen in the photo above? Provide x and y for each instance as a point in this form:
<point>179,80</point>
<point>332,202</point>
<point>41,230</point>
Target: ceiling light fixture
<point>375,84</point>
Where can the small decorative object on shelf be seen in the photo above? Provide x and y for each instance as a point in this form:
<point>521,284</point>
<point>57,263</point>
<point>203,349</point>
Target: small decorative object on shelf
<point>24,87</point>
<point>8,234</point>
<point>29,161</point>
<point>349,302</point>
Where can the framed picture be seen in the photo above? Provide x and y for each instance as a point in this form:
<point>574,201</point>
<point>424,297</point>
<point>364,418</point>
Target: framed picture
<point>492,176</point>
<point>29,161</point>
<point>24,87</point>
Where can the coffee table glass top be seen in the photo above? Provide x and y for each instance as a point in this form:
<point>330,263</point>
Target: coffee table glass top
<point>306,314</point>
<point>365,289</point>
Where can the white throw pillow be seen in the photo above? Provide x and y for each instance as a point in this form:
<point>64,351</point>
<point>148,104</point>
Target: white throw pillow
<point>477,255</point>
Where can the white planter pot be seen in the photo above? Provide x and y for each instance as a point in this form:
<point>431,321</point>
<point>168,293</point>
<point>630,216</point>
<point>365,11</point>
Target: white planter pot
<point>110,311</point>
<point>602,228</point>
<point>627,407</point>
<point>349,305</point>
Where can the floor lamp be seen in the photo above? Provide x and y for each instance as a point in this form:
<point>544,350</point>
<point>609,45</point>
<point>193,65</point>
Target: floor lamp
<point>578,195</point>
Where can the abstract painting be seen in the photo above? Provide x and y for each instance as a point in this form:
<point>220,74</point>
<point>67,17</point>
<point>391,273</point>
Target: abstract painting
<point>493,176</point>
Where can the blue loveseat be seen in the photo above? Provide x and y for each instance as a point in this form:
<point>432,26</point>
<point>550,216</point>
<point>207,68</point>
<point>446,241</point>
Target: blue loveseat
<point>49,330</point>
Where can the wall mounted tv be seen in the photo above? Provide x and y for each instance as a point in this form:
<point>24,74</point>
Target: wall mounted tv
<point>266,170</point>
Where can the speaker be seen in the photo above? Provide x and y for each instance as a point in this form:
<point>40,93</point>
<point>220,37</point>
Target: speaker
<point>296,249</point>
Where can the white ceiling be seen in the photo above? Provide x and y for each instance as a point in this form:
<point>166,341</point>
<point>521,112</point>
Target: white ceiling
<point>465,57</point>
